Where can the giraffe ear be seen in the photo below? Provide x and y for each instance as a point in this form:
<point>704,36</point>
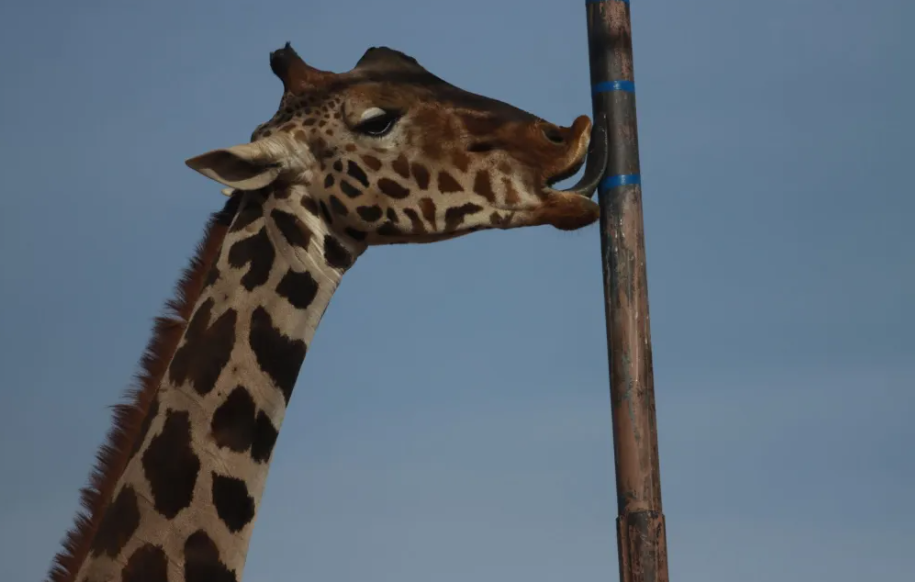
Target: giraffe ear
<point>245,167</point>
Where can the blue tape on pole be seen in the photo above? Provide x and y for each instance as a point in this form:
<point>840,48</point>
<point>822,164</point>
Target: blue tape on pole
<point>607,86</point>
<point>611,182</point>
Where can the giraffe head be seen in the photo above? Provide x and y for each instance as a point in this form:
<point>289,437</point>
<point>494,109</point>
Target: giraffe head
<point>390,153</point>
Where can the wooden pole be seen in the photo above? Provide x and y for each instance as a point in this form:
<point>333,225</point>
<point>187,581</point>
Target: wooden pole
<point>641,536</point>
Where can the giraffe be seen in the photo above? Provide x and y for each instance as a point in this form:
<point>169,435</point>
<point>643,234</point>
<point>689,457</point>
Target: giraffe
<point>386,153</point>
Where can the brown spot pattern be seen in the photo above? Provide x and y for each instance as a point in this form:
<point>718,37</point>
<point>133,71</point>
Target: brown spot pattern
<point>234,505</point>
<point>232,426</point>
<point>497,220</point>
<point>292,228</point>
<point>206,349</point>
<point>389,229</point>
<point>335,254</point>
<point>202,562</point>
<point>481,125</point>
<point>212,276</point>
<point>121,520</point>
<point>252,210</point>
<point>447,184</point>
<point>338,206</point>
<point>393,189</point>
<point>235,426</point>
<point>461,160</point>
<point>421,175</point>
<point>147,564</point>
<point>326,213</point>
<point>418,226</point>
<point>357,173</point>
<point>257,252</point>
<point>402,166</point>
<point>279,356</point>
<point>427,206</point>
<point>455,215</point>
<point>282,191</point>
<point>372,162</point>
<point>299,289</point>
<point>265,435</point>
<point>171,466</point>
<point>511,195</point>
<point>309,204</point>
<point>349,189</point>
<point>483,186</point>
<point>355,233</point>
<point>369,213</point>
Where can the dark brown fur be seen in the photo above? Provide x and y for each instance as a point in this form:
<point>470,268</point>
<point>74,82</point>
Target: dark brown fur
<point>128,416</point>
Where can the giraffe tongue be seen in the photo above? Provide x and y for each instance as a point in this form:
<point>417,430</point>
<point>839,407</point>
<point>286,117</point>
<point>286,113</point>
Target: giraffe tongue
<point>598,153</point>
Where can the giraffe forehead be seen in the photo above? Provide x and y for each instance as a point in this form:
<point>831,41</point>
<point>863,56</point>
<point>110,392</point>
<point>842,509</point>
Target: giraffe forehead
<point>405,92</point>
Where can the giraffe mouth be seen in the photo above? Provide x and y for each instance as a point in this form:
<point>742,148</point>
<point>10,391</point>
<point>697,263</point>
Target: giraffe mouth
<point>567,173</point>
<point>572,208</point>
<point>597,156</point>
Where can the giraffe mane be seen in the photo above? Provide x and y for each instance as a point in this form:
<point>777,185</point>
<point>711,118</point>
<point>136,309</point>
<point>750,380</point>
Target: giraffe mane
<point>128,415</point>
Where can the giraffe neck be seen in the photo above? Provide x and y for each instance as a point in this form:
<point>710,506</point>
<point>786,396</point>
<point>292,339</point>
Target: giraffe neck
<point>185,506</point>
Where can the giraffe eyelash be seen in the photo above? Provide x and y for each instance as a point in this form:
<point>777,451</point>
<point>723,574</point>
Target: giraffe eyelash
<point>377,125</point>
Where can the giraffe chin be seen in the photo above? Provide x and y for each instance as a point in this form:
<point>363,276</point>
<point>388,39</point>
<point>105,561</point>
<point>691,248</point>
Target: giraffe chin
<point>566,210</point>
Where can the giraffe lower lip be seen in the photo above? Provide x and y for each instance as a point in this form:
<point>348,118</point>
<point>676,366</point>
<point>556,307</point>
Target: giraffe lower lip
<point>566,210</point>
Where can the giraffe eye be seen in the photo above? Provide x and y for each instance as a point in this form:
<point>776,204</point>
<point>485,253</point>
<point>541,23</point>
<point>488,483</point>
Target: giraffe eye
<point>378,125</point>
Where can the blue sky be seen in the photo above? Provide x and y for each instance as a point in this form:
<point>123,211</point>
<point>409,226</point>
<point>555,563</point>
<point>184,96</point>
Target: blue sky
<point>452,418</point>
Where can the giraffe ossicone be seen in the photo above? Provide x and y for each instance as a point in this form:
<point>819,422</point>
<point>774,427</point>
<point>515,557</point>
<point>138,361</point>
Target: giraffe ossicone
<point>385,153</point>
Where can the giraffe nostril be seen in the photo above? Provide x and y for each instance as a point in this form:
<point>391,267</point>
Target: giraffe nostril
<point>553,134</point>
